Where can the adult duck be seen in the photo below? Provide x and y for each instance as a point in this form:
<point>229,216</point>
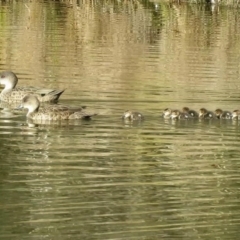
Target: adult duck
<point>52,112</point>
<point>12,94</point>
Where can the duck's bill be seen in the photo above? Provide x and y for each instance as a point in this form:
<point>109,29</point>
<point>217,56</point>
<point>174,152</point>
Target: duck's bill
<point>19,107</point>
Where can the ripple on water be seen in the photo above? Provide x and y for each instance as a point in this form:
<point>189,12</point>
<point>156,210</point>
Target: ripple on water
<point>115,178</point>
<point>108,179</point>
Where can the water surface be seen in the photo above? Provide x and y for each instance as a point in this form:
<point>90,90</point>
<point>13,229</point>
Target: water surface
<point>104,178</point>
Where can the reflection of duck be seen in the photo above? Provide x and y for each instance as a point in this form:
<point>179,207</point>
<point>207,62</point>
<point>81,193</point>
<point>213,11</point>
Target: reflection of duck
<point>236,114</point>
<point>11,93</point>
<point>51,112</point>
<point>167,113</point>
<point>191,112</point>
<point>132,116</point>
<point>176,114</point>
<point>205,114</point>
<point>223,114</point>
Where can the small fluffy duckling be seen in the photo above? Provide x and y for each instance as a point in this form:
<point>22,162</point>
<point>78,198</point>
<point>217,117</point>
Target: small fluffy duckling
<point>223,114</point>
<point>132,116</point>
<point>236,115</point>
<point>191,112</point>
<point>176,114</point>
<point>167,113</point>
<point>205,114</point>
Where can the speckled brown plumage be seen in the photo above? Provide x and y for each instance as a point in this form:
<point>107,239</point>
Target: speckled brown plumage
<point>11,93</point>
<point>52,112</point>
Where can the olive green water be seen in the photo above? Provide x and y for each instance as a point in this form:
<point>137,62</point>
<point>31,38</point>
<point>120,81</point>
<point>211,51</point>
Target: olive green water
<point>105,179</point>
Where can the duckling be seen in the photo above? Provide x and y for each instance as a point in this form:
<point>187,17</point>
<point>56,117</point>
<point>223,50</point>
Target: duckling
<point>167,113</point>
<point>223,114</point>
<point>176,114</point>
<point>205,114</point>
<point>191,112</point>
<point>12,94</point>
<point>132,116</point>
<point>236,115</point>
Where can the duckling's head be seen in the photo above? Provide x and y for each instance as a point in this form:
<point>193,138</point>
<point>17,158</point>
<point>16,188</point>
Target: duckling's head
<point>127,114</point>
<point>31,103</point>
<point>218,112</point>
<point>202,112</point>
<point>185,109</point>
<point>167,113</point>
<point>175,114</point>
<point>235,114</point>
<point>8,79</point>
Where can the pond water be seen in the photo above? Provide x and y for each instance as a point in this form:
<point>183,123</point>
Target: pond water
<point>106,179</point>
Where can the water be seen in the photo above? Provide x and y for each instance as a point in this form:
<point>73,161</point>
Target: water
<point>106,179</point>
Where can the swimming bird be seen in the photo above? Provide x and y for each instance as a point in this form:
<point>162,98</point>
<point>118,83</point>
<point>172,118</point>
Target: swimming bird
<point>52,112</point>
<point>167,113</point>
<point>191,112</point>
<point>223,114</point>
<point>205,114</point>
<point>176,114</point>
<point>132,116</point>
<point>236,115</point>
<point>12,94</point>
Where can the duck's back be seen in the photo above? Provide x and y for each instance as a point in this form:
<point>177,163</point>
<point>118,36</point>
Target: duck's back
<point>15,95</point>
<point>43,95</point>
<point>58,112</point>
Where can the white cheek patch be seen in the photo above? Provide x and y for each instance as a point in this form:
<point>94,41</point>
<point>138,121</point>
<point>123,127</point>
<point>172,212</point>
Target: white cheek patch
<point>30,108</point>
<point>127,115</point>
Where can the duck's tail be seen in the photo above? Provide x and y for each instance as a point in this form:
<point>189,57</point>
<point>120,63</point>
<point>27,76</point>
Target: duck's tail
<point>52,96</point>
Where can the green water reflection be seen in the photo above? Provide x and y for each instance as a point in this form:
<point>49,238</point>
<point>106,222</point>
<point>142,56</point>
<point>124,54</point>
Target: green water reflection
<point>106,179</point>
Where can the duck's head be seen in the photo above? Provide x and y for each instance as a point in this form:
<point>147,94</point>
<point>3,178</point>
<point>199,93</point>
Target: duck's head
<point>167,113</point>
<point>185,109</point>
<point>202,112</point>
<point>218,112</point>
<point>127,114</point>
<point>31,103</point>
<point>175,114</point>
<point>8,79</point>
<point>235,114</point>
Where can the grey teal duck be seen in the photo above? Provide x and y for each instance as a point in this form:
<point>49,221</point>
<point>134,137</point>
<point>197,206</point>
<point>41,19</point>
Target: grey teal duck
<point>12,94</point>
<point>52,112</point>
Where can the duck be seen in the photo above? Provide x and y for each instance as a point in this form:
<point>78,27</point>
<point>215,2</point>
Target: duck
<point>223,114</point>
<point>191,112</point>
<point>132,116</point>
<point>205,114</point>
<point>236,115</point>
<point>12,94</point>
<point>176,114</point>
<point>167,113</point>
<point>51,112</point>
